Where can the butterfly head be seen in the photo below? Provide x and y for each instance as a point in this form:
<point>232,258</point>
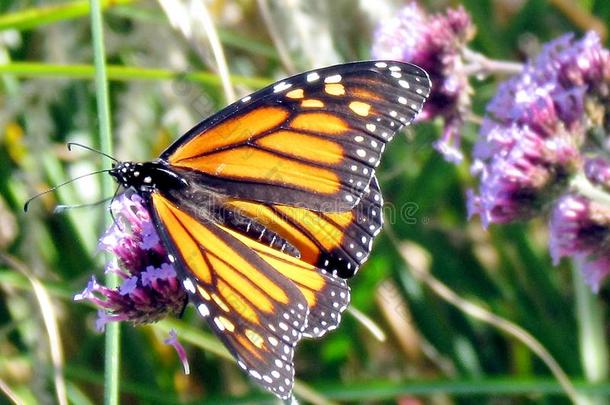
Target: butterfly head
<point>130,174</point>
<point>146,176</point>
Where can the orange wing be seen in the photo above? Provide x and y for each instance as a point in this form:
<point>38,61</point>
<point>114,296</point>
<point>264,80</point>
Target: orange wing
<point>339,242</point>
<point>312,140</point>
<point>327,295</point>
<point>257,300</point>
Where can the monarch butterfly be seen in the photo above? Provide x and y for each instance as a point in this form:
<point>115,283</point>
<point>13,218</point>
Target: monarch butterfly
<point>266,207</point>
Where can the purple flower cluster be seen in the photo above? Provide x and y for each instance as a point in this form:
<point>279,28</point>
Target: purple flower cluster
<point>150,290</point>
<point>580,228</point>
<point>542,145</point>
<point>434,42</point>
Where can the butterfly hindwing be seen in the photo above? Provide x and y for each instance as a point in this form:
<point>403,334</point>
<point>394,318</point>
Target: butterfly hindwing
<point>327,295</point>
<point>312,140</point>
<point>338,242</point>
<point>258,312</point>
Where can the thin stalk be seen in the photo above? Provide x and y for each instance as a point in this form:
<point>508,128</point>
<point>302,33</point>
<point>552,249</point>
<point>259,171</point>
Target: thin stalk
<point>418,261</point>
<point>479,64</point>
<point>592,337</point>
<point>49,318</point>
<point>201,9</point>
<point>584,187</point>
<point>368,323</point>
<point>276,37</point>
<point>10,394</point>
<point>581,17</point>
<point>121,73</point>
<point>111,386</point>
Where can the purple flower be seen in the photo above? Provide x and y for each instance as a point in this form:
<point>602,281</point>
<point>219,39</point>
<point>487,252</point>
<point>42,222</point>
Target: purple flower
<point>150,290</point>
<point>597,171</point>
<point>532,137</point>
<point>173,341</point>
<point>580,228</point>
<point>519,181</point>
<point>434,42</point>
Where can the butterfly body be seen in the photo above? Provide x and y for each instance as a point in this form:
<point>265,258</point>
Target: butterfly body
<point>146,177</point>
<point>267,206</point>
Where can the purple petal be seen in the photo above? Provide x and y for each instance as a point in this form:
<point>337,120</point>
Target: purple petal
<point>150,237</point>
<point>173,341</point>
<point>166,271</point>
<point>449,144</point>
<point>597,171</point>
<point>594,269</point>
<point>103,318</point>
<point>128,286</point>
<point>87,293</point>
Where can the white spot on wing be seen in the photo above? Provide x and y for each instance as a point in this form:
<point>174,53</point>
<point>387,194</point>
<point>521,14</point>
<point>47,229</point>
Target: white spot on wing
<point>188,284</point>
<point>312,77</point>
<point>333,79</point>
<point>203,310</point>
<point>281,87</point>
<point>219,324</point>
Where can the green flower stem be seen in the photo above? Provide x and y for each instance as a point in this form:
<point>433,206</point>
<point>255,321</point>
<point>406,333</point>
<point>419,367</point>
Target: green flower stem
<point>34,17</point>
<point>592,338</point>
<point>121,73</point>
<point>111,386</point>
<point>584,187</point>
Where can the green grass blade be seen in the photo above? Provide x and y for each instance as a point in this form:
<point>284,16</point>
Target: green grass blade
<point>34,17</point>
<point>111,386</point>
<point>497,387</point>
<point>121,73</point>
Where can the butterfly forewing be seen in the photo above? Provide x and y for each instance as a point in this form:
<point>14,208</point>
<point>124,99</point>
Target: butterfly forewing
<point>312,140</point>
<point>258,312</point>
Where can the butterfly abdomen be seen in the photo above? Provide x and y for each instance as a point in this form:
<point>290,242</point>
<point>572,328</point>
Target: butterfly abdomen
<point>257,231</point>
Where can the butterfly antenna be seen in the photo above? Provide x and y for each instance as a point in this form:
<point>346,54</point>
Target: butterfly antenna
<point>61,208</point>
<point>27,203</point>
<point>110,208</point>
<point>89,148</point>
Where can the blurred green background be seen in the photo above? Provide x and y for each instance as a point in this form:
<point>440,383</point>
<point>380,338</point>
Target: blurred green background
<point>162,81</point>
